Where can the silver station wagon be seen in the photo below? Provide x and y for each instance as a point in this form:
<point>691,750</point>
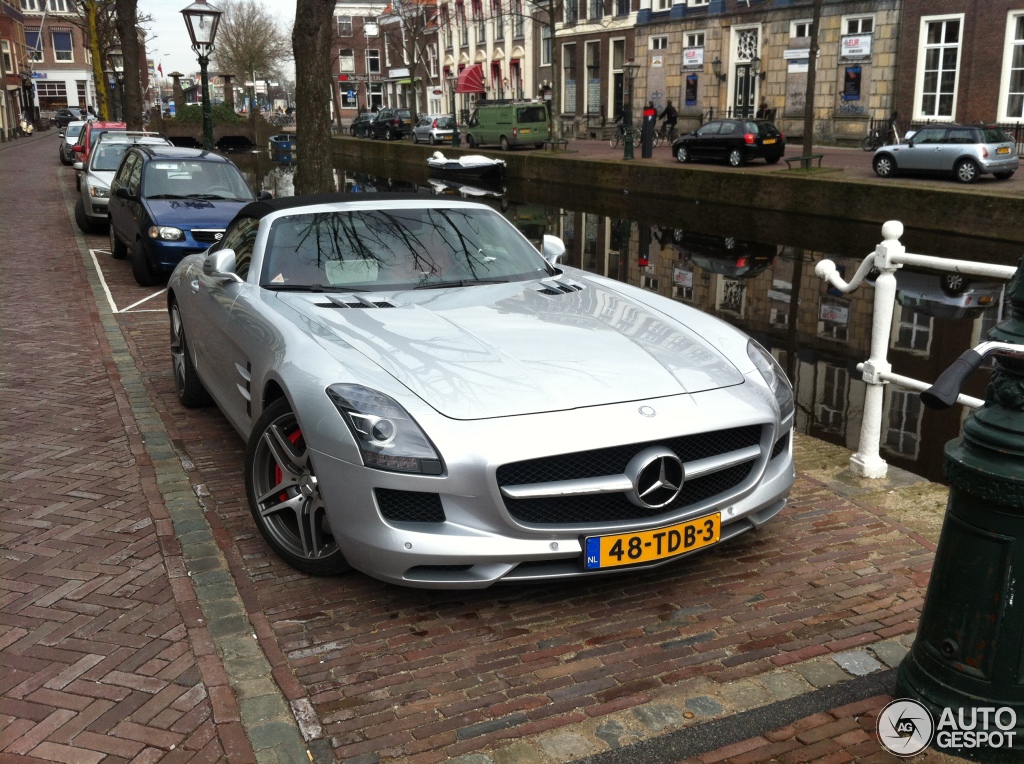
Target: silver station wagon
<point>964,151</point>
<point>430,400</point>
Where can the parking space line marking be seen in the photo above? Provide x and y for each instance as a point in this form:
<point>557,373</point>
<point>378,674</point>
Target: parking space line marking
<point>110,297</point>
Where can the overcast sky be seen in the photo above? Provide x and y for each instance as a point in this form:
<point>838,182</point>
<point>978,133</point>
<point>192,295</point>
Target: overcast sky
<point>168,42</point>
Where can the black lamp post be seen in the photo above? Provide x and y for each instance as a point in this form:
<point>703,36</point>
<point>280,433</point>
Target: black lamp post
<point>116,60</point>
<point>456,140</point>
<point>630,70</point>
<point>201,18</point>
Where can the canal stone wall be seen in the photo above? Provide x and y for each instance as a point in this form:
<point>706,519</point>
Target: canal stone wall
<point>828,193</point>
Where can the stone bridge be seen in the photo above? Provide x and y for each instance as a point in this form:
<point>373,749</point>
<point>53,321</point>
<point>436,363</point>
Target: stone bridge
<point>227,135</point>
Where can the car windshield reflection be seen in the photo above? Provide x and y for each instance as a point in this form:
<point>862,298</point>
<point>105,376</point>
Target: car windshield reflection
<point>397,249</point>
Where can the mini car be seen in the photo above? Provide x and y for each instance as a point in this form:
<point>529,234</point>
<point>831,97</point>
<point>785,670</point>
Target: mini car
<point>63,117</point>
<point>434,129</point>
<point>966,152</point>
<point>735,141</point>
<point>96,176</point>
<point>70,135</point>
<point>428,399</point>
<point>167,202</point>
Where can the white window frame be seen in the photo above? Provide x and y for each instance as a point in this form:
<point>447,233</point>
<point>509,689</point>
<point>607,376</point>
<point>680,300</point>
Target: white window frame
<point>694,40</point>
<point>342,58</point>
<point>922,49</point>
<point>33,55</point>
<point>903,407</point>
<point>796,23</point>
<point>69,53</point>
<point>662,5</point>
<point>858,17</point>
<point>1009,44</point>
<point>659,43</point>
<point>698,3</point>
<point>380,63</point>
<point>340,22</point>
<point>5,51</point>
<point>546,42</point>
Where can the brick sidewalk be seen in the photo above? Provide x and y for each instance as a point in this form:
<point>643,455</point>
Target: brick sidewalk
<point>132,583</point>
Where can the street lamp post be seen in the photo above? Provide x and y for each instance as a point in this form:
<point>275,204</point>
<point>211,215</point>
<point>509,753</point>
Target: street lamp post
<point>116,60</point>
<point>456,140</point>
<point>630,70</point>
<point>201,18</point>
<point>108,73</point>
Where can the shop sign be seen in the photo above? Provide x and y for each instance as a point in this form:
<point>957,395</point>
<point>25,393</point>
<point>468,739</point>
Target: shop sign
<point>856,45</point>
<point>693,57</point>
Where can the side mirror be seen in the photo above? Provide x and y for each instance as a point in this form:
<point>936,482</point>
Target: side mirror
<point>910,134</point>
<point>221,265</point>
<point>60,133</point>
<point>263,195</point>
<point>123,193</point>
<point>553,248</point>
<point>78,149</point>
<point>78,166</point>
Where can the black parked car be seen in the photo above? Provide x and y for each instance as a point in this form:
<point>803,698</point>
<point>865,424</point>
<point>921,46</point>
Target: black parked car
<point>63,116</point>
<point>391,124</point>
<point>733,140</point>
<point>360,127</point>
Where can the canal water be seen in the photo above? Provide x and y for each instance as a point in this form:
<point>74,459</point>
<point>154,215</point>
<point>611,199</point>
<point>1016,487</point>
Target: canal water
<point>755,269</point>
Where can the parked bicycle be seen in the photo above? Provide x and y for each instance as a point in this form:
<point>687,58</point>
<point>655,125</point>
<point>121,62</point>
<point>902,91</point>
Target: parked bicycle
<point>879,137</point>
<point>618,135</point>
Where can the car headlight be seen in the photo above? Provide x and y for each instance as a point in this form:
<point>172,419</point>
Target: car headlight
<point>774,376</point>
<point>99,192</point>
<point>389,439</point>
<point>166,232</point>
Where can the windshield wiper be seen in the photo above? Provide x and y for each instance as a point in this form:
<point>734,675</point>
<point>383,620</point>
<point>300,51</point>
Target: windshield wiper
<point>311,288</point>
<point>215,196</point>
<point>460,283</point>
<point>168,196</point>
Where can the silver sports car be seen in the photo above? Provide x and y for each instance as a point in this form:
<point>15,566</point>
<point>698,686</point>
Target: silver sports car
<point>429,400</point>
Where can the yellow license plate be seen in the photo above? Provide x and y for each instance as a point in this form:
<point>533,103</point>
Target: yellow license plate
<point>766,141</point>
<point>525,130</point>
<point>649,546</point>
<point>1003,150</point>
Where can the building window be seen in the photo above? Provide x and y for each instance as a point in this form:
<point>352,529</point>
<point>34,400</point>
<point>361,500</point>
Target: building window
<point>5,45</point>
<point>695,40</point>
<point>913,331</point>
<point>622,7</point>
<point>372,61</point>
<point>859,24</point>
<point>697,3</point>
<point>570,11</point>
<point>432,57</point>
<point>63,50</point>
<point>596,10</point>
<point>349,95</point>
<point>370,28</point>
<point>662,5</point>
<point>833,388</point>
<point>659,43</point>
<point>376,96</point>
<point>1014,57</point>
<point>903,434</point>
<point>347,60</point>
<point>938,63</point>
<point>344,26</point>
<point>545,46</point>
<point>801,28</point>
<point>34,44</point>
<point>569,79</point>
<point>518,19</point>
<point>499,20</point>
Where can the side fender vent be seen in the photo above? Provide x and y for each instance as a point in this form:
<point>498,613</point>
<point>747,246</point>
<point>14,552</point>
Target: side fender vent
<point>556,288</point>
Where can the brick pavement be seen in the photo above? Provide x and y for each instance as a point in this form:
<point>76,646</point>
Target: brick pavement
<point>116,495</point>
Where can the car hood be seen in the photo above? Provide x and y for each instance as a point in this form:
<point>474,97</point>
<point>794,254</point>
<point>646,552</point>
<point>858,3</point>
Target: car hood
<point>519,348</point>
<point>193,213</point>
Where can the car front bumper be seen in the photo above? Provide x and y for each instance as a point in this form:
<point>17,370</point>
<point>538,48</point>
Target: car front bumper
<point>482,539</point>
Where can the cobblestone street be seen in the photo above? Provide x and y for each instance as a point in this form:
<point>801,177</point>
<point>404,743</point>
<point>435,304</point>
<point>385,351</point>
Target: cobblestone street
<point>144,619</point>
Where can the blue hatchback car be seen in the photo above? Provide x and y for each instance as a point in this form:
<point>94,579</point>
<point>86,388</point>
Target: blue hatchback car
<point>167,202</point>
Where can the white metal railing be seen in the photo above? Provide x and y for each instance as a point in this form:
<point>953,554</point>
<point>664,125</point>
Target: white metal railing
<point>888,257</point>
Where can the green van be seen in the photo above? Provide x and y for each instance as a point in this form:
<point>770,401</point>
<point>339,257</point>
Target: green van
<point>508,124</point>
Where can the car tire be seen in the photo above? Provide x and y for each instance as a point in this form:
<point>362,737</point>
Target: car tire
<point>504,143</point>
<point>471,141</point>
<point>118,250</point>
<point>292,522</point>
<point>78,182</point>
<point>885,166</point>
<point>1003,175</point>
<point>772,160</point>
<point>433,141</point>
<point>64,160</point>
<point>736,158</point>
<point>85,225</point>
<point>682,154</point>
<point>953,284</point>
<point>966,171</point>
<point>141,269</point>
<point>187,384</point>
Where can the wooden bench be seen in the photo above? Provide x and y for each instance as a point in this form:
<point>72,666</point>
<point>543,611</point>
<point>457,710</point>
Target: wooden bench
<point>557,144</point>
<point>805,162</point>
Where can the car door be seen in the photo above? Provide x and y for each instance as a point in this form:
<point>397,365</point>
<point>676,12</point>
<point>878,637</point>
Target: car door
<point>220,358</point>
<point>718,144</point>
<point>117,208</point>
<point>704,140</point>
<point>953,147</point>
<point>921,153</point>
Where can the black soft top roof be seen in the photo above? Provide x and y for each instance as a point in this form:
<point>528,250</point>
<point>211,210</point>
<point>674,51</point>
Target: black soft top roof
<point>262,208</point>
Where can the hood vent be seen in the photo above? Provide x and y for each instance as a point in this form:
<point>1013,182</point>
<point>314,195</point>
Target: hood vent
<point>559,287</point>
<point>353,301</point>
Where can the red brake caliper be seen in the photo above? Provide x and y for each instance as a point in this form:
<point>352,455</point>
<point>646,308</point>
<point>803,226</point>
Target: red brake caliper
<point>293,438</point>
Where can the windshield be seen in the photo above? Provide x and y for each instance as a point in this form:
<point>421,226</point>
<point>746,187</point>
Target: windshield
<point>108,156</point>
<point>194,179</point>
<point>397,249</point>
<point>73,131</point>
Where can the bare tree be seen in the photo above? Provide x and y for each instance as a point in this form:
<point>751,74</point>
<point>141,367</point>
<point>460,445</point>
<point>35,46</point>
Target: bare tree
<point>311,42</point>
<point>812,70</point>
<point>249,40</point>
<point>127,25</point>
<point>409,28</point>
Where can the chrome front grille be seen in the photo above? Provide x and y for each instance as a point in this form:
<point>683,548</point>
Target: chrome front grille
<point>557,490</point>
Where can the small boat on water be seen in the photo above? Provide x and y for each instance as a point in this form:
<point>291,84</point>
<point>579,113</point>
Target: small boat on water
<point>471,166</point>
<point>479,188</point>
<point>282,142</point>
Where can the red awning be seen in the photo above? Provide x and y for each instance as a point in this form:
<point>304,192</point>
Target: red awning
<point>471,80</point>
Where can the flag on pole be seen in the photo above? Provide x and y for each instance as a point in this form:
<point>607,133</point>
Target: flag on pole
<point>160,68</point>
